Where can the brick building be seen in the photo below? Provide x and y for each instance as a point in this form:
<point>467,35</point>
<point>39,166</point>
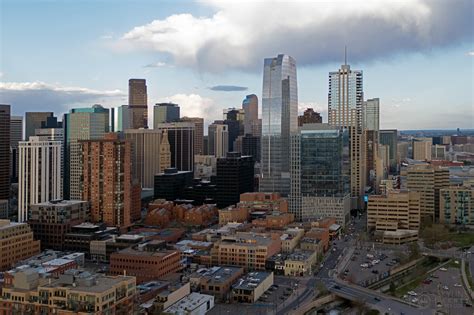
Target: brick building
<point>16,244</point>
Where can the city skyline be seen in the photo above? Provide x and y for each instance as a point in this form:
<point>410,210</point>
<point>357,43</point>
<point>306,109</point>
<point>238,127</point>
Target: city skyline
<point>401,72</point>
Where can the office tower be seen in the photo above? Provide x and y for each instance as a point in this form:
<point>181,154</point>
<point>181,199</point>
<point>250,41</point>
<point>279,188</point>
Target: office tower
<point>250,107</point>
<point>345,100</point>
<point>146,154</point>
<point>181,140</point>
<point>251,145</point>
<point>309,117</point>
<point>457,205</point>
<point>198,133</point>
<point>33,121</point>
<point>39,173</point>
<point>402,150</point>
<point>218,135</point>
<point>422,149</point>
<point>108,182</point>
<point>165,113</point>
<point>16,135</point>
<point>4,152</point>
<point>165,152</point>
<point>17,244</point>
<point>371,114</point>
<point>234,177</point>
<point>371,127</point>
<point>438,152</point>
<point>279,120</point>
<point>320,173</point>
<point>428,180</point>
<point>170,184</point>
<point>234,119</point>
<point>205,145</point>
<point>122,118</point>
<point>80,124</point>
<point>390,137</point>
<point>138,103</point>
<point>51,220</point>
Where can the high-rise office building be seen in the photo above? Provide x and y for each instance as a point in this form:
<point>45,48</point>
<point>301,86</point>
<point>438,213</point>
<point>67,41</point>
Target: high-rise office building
<point>165,152</point>
<point>108,182</point>
<point>122,118</point>
<point>371,114</point>
<point>309,117</point>
<point>146,154</point>
<point>33,121</point>
<point>251,145</point>
<point>181,140</point>
<point>279,120</point>
<point>16,135</point>
<point>234,177</point>
<point>138,103</point>
<point>218,135</point>
<point>4,152</point>
<point>320,173</point>
<point>422,149</point>
<point>371,128</point>
<point>165,113</point>
<point>402,150</point>
<point>234,119</point>
<point>250,107</point>
<point>39,173</point>
<point>198,133</point>
<point>80,124</point>
<point>17,244</point>
<point>390,137</point>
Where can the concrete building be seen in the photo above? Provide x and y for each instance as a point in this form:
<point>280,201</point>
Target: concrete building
<point>74,292</point>
<point>192,304</point>
<point>3,209</point>
<point>17,243</point>
<point>51,220</point>
<point>216,281</point>
<point>402,149</point>
<point>4,152</point>
<point>116,201</point>
<point>457,205</point>
<point>145,262</point>
<point>300,263</point>
<point>371,114</point>
<point>251,287</point>
<point>33,121</point>
<point>165,113</point>
<point>218,139</point>
<point>205,166</point>
<point>40,173</point>
<point>80,124</point>
<point>138,103</point>
<point>310,117</point>
<point>123,120</point>
<point>181,140</point>
<point>279,120</point>
<point>16,135</point>
<point>422,149</point>
<point>198,133</point>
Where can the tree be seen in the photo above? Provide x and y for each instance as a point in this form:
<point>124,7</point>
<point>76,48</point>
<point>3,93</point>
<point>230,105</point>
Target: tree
<point>393,288</point>
<point>414,250</point>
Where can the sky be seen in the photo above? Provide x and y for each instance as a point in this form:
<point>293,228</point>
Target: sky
<point>417,56</point>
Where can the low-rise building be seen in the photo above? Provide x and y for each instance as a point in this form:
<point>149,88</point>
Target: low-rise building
<point>275,220</point>
<point>16,243</point>
<point>321,234</point>
<point>250,288</point>
<point>300,263</point>
<point>290,239</point>
<point>233,214</point>
<point>312,244</point>
<point>192,304</point>
<point>169,296</point>
<point>216,281</point>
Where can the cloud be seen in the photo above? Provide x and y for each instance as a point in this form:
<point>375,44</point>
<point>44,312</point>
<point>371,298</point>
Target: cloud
<point>156,65</point>
<point>228,88</point>
<point>41,96</point>
<point>241,33</point>
<point>470,53</point>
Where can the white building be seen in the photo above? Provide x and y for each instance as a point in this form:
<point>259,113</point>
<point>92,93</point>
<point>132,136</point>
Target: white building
<point>40,173</point>
<point>192,304</point>
<point>218,135</point>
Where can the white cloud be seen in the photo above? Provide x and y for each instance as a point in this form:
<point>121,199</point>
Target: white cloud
<point>470,53</point>
<point>240,33</point>
<point>156,65</point>
<point>1,74</point>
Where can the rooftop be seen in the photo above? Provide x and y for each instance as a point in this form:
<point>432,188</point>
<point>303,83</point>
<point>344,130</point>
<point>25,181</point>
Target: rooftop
<point>60,203</point>
<point>217,274</point>
<point>190,302</point>
<point>300,255</point>
<point>137,252</point>
<point>251,280</point>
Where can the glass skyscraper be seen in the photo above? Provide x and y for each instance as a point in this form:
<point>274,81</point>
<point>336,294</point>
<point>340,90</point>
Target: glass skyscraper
<point>279,120</point>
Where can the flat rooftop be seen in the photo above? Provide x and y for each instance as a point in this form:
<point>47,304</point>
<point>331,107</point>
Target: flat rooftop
<point>101,284</point>
<point>217,274</point>
<point>145,253</point>
<point>300,255</point>
<point>251,280</point>
<point>189,303</point>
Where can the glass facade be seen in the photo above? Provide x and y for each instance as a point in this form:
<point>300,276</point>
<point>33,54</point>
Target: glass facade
<point>279,119</point>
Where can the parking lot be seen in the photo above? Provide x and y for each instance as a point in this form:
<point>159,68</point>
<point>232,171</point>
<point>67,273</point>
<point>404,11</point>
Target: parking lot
<point>369,265</point>
<point>442,290</point>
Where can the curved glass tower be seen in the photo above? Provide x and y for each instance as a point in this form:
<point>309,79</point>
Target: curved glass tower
<point>279,120</point>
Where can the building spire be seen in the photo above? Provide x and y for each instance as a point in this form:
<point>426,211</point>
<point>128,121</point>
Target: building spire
<point>345,55</point>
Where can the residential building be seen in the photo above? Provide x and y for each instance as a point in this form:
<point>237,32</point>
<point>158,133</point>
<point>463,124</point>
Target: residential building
<point>40,173</point>
<point>250,107</point>
<point>16,135</point>
<point>33,121</point>
<point>165,113</point>
<point>251,287</point>
<point>310,117</point>
<point>51,220</point>
<point>74,292</point>
<point>192,304</point>
<point>171,183</point>
<point>198,133</point>
<point>5,152</point>
<point>235,175</point>
<point>422,149</point>
<point>216,281</point>
<point>279,120</point>
<point>457,205</point>
<point>80,124</point>
<point>390,137</point>
<point>17,243</point>
<point>107,181</point>
<point>138,103</point>
<point>145,262</point>
<point>218,139</point>
<point>181,140</point>
<point>300,263</point>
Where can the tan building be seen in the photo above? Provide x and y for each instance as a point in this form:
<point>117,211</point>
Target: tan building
<point>247,250</point>
<point>427,180</point>
<point>259,201</point>
<point>198,133</point>
<point>74,292</point>
<point>290,239</point>
<point>16,243</point>
<point>300,263</point>
<point>108,182</point>
<point>216,281</point>
<point>422,149</point>
<point>233,214</point>
<point>250,288</point>
<point>313,245</point>
<point>457,205</point>
<point>165,152</point>
<point>138,103</point>
<point>275,220</point>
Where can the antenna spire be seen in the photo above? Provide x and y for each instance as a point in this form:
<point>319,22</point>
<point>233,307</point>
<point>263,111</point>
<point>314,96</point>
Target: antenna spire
<point>345,55</point>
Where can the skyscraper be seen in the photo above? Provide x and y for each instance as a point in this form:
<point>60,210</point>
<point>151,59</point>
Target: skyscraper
<point>123,118</point>
<point>165,152</point>
<point>181,140</point>
<point>371,114</point>
<point>279,119</point>
<point>310,117</point>
<point>39,173</point>
<point>138,103</point>
<point>4,152</point>
<point>33,121</point>
<point>234,119</point>
<point>198,133</point>
<point>165,113</point>
<point>250,107</point>
<point>371,128</point>
<point>108,182</point>
<point>218,135</point>
<point>80,124</point>
<point>390,137</point>
<point>16,135</point>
